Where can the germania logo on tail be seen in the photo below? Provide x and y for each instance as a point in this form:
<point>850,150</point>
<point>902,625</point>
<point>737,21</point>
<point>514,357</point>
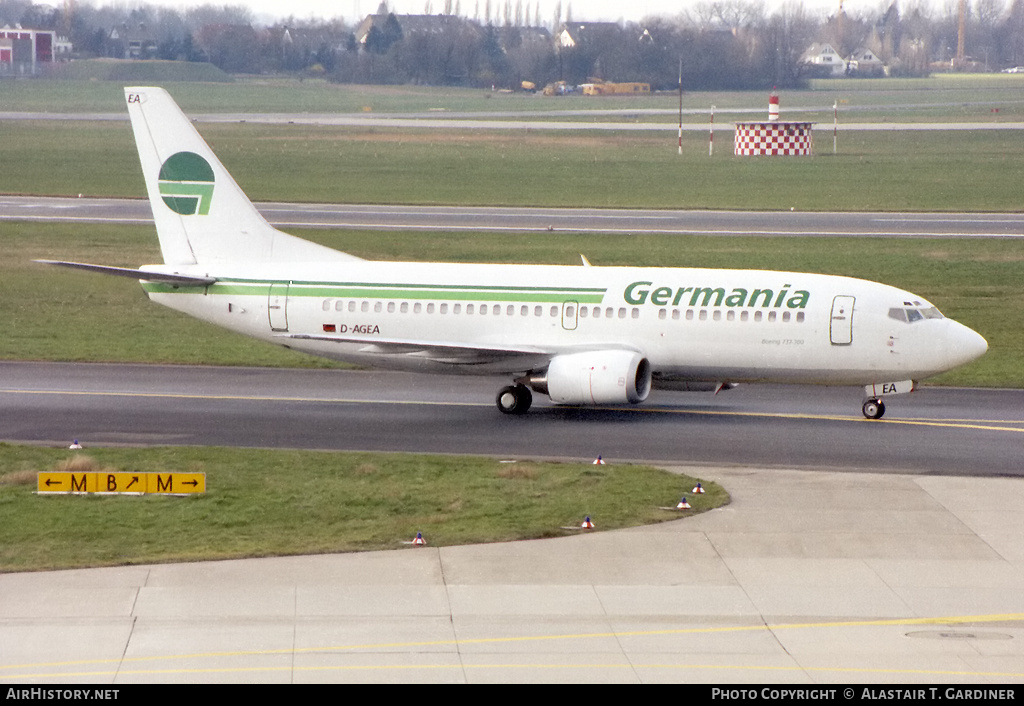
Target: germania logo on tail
<point>581,335</point>
<point>186,184</point>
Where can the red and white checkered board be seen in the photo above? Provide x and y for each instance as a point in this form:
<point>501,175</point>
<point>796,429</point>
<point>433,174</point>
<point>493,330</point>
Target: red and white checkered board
<point>754,139</point>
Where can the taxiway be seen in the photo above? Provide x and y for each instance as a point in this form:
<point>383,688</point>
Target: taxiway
<point>551,220</point>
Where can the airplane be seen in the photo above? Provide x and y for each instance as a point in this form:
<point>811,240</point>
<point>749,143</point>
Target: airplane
<point>582,335</point>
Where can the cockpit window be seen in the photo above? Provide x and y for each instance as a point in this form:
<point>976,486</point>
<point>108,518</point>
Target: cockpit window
<point>910,314</point>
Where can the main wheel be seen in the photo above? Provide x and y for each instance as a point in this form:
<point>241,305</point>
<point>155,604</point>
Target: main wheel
<point>874,409</point>
<point>514,399</point>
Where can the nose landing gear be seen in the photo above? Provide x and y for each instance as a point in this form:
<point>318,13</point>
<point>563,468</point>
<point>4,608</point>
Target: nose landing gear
<point>873,408</point>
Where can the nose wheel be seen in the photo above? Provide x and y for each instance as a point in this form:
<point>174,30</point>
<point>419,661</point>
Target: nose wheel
<point>514,399</point>
<point>873,408</point>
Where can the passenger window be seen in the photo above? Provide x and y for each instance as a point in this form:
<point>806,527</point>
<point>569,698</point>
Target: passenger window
<point>662,313</point>
<point>444,308</point>
<point>730,315</point>
<point>635,313</point>
<point>703,315</point>
<point>378,307</point>
<point>339,305</point>
<point>744,316</point>
<point>757,316</point>
<point>570,311</point>
<point>675,314</point>
<point>609,313</point>
<point>717,316</point>
<point>469,309</point>
<point>351,306</point>
<point>405,307</point>
<point>417,308</point>
<point>554,311</point>
<point>799,317</point>
<point>327,304</point>
<point>365,307</point>
<point>622,312</point>
<point>430,308</point>
<point>456,308</point>
<point>511,310</point>
<point>771,316</point>
<point>538,310</point>
<point>483,309</point>
<point>524,311</point>
<point>391,307</point>
<point>785,316</point>
<point>583,312</point>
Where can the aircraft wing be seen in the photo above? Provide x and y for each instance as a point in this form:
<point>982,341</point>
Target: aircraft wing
<point>438,351</point>
<point>133,274</point>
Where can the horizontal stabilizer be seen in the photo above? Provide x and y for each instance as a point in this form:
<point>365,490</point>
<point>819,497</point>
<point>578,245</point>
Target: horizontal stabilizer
<point>134,274</point>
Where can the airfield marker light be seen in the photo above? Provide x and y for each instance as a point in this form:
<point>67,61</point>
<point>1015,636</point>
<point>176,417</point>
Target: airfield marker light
<point>683,505</point>
<point>419,541</point>
<point>698,489</point>
<point>598,461</point>
<point>75,445</point>
<point>587,524</point>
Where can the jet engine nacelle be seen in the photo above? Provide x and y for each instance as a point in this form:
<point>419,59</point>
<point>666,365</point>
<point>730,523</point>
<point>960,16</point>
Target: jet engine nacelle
<point>598,377</point>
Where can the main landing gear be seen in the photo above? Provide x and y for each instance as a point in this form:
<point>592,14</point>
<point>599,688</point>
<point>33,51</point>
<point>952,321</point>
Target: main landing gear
<point>874,408</point>
<point>514,399</point>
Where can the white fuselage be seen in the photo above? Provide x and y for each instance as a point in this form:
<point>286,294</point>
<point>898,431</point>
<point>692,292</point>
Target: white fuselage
<point>691,324</point>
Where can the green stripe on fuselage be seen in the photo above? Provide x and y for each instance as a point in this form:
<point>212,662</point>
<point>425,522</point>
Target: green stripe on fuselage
<point>353,290</point>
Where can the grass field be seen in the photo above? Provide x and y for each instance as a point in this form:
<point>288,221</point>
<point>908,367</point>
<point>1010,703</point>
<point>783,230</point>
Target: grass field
<point>266,503</point>
<point>954,94</point>
<point>969,171</point>
<point>917,171</point>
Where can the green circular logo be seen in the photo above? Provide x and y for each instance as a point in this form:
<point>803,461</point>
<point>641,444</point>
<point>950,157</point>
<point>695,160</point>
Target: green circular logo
<point>186,184</point>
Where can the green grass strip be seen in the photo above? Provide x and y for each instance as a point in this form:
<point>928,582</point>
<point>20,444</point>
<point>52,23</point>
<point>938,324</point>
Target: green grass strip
<point>268,503</point>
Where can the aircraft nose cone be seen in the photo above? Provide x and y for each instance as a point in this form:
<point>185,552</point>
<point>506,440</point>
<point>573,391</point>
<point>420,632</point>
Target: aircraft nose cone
<point>965,345</point>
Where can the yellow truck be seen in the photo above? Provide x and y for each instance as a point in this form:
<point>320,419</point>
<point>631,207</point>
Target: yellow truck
<point>610,88</point>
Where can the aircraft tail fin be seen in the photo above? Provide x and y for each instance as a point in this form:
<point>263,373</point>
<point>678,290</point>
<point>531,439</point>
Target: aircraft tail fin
<point>202,216</point>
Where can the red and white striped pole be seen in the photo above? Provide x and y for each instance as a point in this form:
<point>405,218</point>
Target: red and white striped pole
<point>711,135</point>
<point>835,124</point>
<point>773,105</point>
<point>680,106</point>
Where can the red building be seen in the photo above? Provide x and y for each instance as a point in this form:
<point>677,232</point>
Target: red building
<point>23,52</point>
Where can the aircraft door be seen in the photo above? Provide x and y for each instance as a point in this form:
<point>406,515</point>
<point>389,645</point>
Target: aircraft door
<point>841,323</point>
<point>277,306</point>
<point>570,315</point>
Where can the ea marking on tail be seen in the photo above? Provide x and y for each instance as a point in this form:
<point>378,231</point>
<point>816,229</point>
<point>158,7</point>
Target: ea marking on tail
<point>186,184</point>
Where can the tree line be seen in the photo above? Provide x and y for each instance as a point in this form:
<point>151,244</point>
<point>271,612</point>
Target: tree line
<point>721,44</point>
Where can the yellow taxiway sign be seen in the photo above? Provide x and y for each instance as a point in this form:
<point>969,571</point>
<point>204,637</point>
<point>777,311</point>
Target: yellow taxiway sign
<point>131,483</point>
